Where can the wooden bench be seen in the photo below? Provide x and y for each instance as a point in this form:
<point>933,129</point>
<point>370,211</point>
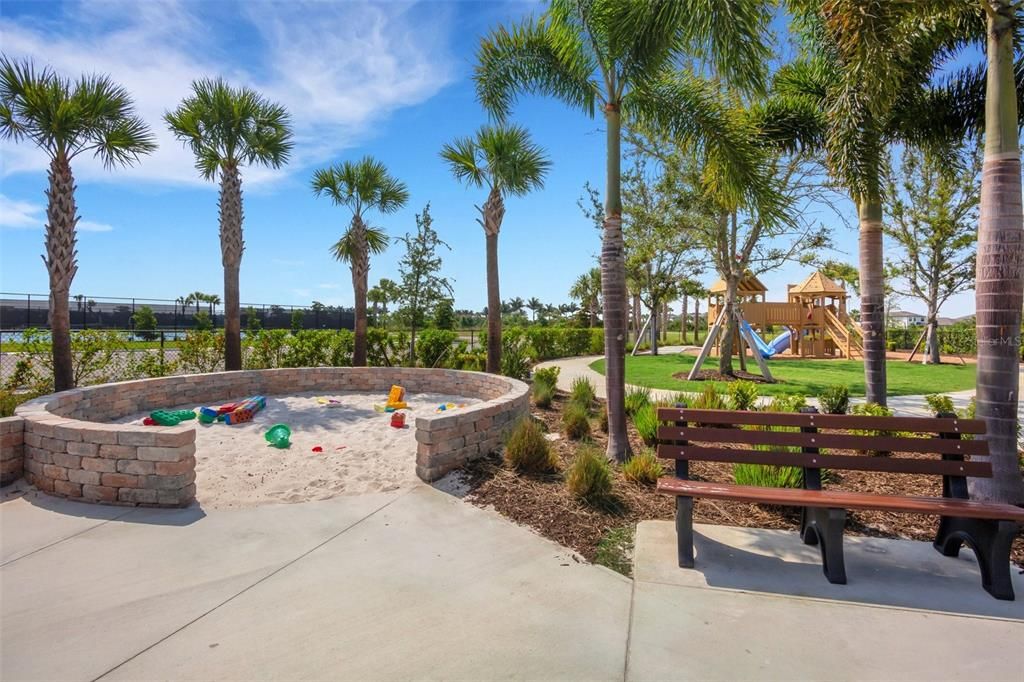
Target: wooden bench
<point>730,436</point>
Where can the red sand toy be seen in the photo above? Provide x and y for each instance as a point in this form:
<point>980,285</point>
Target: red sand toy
<point>398,420</point>
<point>246,410</point>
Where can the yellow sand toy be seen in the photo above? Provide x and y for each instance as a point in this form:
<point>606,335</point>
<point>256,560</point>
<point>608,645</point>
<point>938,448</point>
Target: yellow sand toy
<point>396,399</point>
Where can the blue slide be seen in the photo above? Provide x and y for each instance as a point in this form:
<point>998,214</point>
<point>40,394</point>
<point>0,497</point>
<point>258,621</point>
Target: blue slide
<point>767,350</point>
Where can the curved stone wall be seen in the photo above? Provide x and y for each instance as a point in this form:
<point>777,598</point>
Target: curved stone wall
<point>71,449</point>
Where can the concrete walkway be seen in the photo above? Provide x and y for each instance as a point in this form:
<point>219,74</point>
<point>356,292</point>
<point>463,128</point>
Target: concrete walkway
<point>418,584</point>
<point>902,405</point>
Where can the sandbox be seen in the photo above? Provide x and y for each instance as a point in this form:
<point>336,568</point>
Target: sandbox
<point>73,446</point>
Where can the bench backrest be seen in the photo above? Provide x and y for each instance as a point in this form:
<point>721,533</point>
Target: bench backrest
<point>744,438</point>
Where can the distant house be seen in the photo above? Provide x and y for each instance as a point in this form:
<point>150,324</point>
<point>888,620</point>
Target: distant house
<point>902,319</point>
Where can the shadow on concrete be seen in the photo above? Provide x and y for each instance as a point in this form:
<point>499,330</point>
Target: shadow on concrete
<point>883,572</point>
<point>103,512</point>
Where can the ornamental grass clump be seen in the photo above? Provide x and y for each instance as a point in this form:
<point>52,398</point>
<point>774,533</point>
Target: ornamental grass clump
<point>644,468</point>
<point>835,400</point>
<point>589,477</point>
<point>637,398</point>
<point>646,422</point>
<point>742,395</point>
<point>542,394</point>
<point>582,393</point>
<point>547,376</point>
<point>528,450</point>
<point>708,399</point>
<point>575,421</point>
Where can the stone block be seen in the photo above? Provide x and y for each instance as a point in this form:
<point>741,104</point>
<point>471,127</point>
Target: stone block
<point>67,461</point>
<point>83,477</point>
<point>83,449</point>
<point>53,444</point>
<point>175,468</point>
<point>137,495</point>
<point>155,454</point>
<point>135,466</point>
<point>137,437</point>
<point>99,493</point>
<point>67,488</point>
<point>120,480</point>
<point>170,482</point>
<point>99,464</point>
<point>55,472</point>
<point>118,451</point>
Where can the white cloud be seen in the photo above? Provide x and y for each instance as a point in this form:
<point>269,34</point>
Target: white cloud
<point>18,214</point>
<point>90,226</point>
<point>337,67</point>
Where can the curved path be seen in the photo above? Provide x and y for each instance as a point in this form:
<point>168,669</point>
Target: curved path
<point>904,405</point>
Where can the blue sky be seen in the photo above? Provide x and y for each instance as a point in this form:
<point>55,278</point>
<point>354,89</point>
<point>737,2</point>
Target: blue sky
<point>390,79</point>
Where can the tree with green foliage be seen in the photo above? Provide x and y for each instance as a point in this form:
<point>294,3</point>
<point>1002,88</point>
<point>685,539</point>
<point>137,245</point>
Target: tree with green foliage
<point>362,186</point>
<point>227,128</point>
<point>420,271</point>
<point>841,272</point>
<point>65,118</point>
<point>144,323</point>
<point>444,314</point>
<point>933,220</point>
<point>587,290</point>
<point>504,160</point>
<point>619,58</point>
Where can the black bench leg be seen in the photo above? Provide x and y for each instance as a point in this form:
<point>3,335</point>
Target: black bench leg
<point>824,527</point>
<point>807,532</point>
<point>684,531</point>
<point>991,542</point>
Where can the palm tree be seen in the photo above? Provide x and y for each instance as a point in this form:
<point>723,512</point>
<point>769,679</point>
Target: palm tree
<point>535,306</point>
<point>354,248</point>
<point>65,118</point>
<point>999,284</point>
<point>618,56</point>
<point>504,160</point>
<point>227,128</point>
<point>587,290</point>
<point>361,186</point>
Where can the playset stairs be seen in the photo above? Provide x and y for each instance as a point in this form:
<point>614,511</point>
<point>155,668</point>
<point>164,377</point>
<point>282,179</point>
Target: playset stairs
<point>847,335</point>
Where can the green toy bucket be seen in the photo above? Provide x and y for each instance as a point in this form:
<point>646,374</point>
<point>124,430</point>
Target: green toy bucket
<point>278,435</point>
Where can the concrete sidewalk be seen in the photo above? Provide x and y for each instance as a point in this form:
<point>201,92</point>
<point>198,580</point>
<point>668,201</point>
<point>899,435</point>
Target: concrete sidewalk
<point>384,587</point>
<point>757,606</point>
<point>417,584</point>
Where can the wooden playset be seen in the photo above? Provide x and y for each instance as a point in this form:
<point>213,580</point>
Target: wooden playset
<point>814,321</point>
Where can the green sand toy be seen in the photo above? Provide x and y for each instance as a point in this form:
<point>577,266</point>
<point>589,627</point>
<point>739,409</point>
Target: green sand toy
<point>171,417</point>
<point>278,435</point>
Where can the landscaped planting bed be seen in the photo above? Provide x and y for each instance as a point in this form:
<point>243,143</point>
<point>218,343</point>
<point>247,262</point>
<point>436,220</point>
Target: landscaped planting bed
<point>543,502</point>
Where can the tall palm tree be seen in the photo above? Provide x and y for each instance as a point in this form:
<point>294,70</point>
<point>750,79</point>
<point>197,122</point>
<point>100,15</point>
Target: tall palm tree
<point>535,306</point>
<point>355,247</point>
<point>65,118</point>
<point>362,186</point>
<point>227,128</point>
<point>505,161</point>
<point>999,284</point>
<point>619,56</point>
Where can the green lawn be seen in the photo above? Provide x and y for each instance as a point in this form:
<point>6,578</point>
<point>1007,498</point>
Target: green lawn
<point>807,377</point>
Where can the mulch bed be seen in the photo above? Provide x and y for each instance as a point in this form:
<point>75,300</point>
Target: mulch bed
<point>543,503</point>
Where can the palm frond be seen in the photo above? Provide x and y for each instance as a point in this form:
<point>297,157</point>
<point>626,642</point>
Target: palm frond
<point>346,248</point>
<point>730,36</point>
<point>361,185</point>
<point>534,58</point>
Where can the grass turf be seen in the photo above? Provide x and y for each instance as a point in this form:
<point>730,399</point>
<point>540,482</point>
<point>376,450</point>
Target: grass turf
<point>805,377</point>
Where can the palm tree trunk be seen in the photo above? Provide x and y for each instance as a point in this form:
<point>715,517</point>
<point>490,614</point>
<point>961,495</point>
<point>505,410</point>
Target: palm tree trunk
<point>613,289</point>
<point>999,283</point>
<point>231,246</point>
<point>61,261</point>
<point>493,213</point>
<point>360,283</point>
<point>872,298</point>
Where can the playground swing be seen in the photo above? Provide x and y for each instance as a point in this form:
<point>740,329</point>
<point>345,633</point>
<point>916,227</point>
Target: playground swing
<point>762,350</point>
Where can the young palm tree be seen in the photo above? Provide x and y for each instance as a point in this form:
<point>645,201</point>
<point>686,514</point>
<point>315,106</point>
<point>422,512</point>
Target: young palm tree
<point>65,118</point>
<point>355,249</point>
<point>362,186</point>
<point>227,128</point>
<point>504,160</point>
<point>619,56</point>
<point>587,290</point>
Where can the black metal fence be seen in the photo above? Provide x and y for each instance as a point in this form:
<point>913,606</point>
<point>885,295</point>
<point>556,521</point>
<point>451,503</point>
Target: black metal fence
<point>22,311</point>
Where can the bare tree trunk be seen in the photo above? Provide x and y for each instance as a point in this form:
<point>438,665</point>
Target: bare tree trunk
<point>231,246</point>
<point>731,328</point>
<point>493,213</point>
<point>872,299</point>
<point>655,327</point>
<point>682,321</point>
<point>613,288</point>
<point>932,337</point>
<point>1000,268</point>
<point>696,321</point>
<point>61,261</point>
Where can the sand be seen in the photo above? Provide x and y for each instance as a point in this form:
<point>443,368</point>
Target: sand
<point>362,453</point>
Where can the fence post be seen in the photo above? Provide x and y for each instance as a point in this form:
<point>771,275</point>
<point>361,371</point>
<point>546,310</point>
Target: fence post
<point>161,353</point>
